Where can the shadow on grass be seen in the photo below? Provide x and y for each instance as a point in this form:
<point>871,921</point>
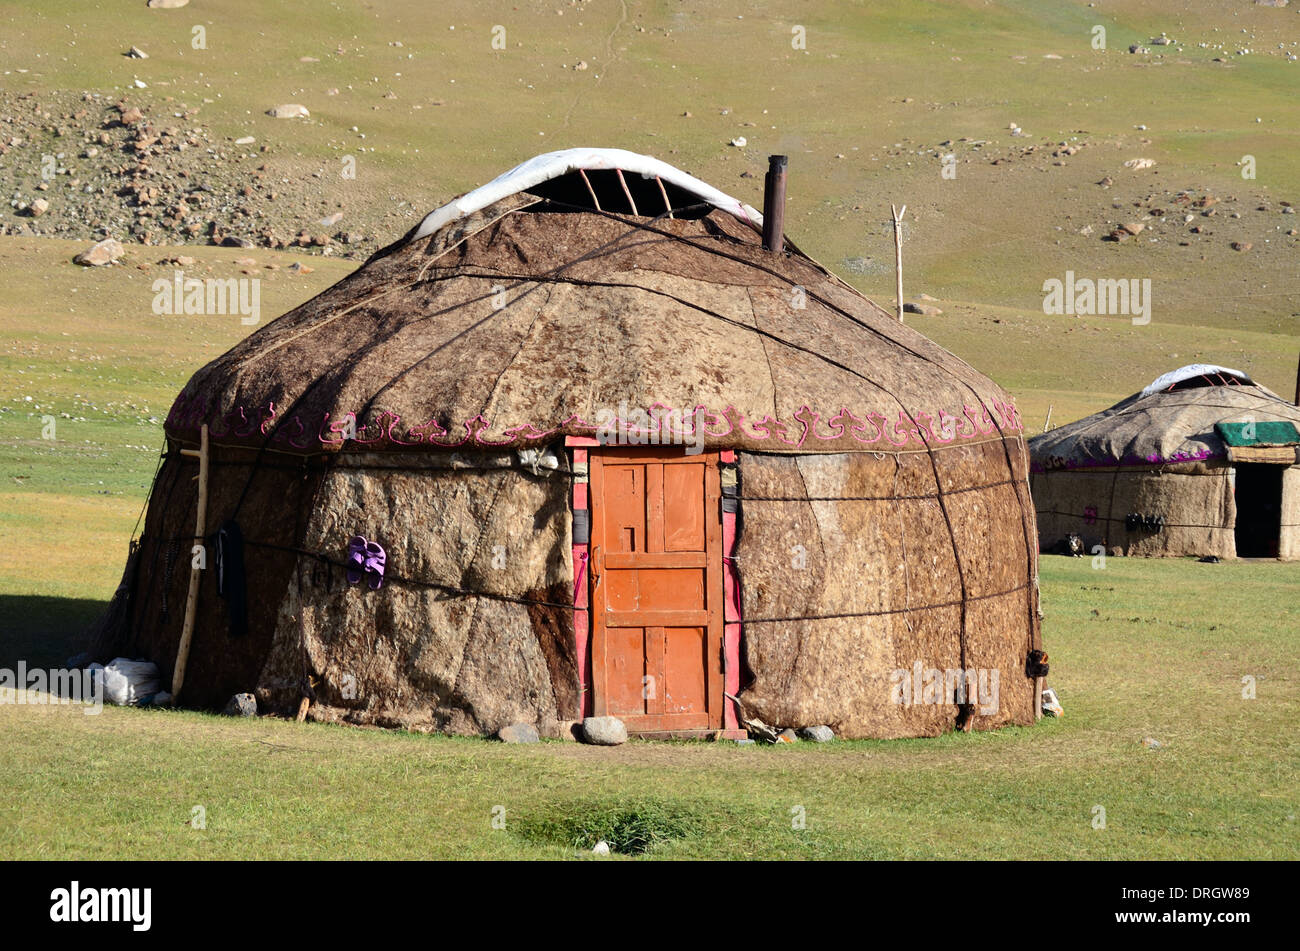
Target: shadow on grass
<point>44,631</point>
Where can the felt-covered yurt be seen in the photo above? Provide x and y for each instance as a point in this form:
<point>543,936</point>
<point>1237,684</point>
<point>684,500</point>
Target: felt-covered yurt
<point>623,454</point>
<point>1203,461</point>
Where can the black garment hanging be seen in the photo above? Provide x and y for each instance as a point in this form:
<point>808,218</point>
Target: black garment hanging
<point>232,584</point>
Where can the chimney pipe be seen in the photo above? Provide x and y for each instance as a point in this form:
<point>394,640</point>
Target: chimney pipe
<point>774,204</point>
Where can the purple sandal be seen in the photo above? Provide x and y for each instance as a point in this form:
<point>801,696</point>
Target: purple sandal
<point>375,559</point>
<point>356,559</point>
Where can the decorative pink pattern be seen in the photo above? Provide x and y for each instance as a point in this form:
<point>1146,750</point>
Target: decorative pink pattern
<point>385,428</point>
<point>1053,463</point>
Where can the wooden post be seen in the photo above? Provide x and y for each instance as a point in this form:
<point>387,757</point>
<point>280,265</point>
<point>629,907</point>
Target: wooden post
<point>774,204</point>
<point>1047,423</point>
<point>1038,697</point>
<point>1297,382</point>
<point>192,599</point>
<point>898,253</point>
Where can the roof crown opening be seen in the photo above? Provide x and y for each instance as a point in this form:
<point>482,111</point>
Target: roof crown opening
<point>1196,375</point>
<point>598,179</point>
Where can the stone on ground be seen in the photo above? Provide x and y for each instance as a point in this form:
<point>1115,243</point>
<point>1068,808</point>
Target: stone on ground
<point>817,734</point>
<point>604,731</point>
<point>518,733</point>
<point>97,255</point>
<point>241,705</point>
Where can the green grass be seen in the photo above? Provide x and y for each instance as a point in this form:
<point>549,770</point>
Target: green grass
<point>627,827</point>
<point>1138,649</point>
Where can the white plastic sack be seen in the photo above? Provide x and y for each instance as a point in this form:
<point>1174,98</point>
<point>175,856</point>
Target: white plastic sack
<point>127,681</point>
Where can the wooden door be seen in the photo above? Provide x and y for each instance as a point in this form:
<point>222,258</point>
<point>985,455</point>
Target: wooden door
<point>656,589</point>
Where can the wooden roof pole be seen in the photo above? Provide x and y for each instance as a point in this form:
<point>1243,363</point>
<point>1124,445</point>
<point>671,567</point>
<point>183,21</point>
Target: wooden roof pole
<point>192,598</point>
<point>1297,381</point>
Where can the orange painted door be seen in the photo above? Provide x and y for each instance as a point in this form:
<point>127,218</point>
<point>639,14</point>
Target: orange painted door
<point>656,589</point>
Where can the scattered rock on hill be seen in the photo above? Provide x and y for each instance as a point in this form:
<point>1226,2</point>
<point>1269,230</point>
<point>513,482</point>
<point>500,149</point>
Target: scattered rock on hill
<point>289,110</point>
<point>925,310</point>
<point>518,733</point>
<point>603,731</point>
<point>97,255</point>
<point>136,53</point>
<point>156,175</point>
<point>1139,163</point>
<point>39,207</point>
<point>168,4</point>
<point>1241,245</point>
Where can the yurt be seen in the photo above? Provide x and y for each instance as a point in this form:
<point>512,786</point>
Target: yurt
<point>593,440</point>
<point>1203,461</point>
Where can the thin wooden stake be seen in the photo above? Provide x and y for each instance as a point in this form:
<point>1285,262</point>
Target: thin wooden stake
<point>898,253</point>
<point>192,598</point>
<point>1047,423</point>
<point>1297,382</point>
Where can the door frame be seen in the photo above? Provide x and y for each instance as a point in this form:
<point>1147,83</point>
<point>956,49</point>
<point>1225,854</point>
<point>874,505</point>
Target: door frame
<point>650,723</point>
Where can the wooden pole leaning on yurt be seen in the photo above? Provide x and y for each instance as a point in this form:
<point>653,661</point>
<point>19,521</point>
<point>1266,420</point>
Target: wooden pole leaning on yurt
<point>774,203</point>
<point>192,598</point>
<point>1297,381</point>
<point>898,254</point>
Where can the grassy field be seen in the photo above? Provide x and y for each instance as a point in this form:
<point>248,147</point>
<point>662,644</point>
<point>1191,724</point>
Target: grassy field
<point>866,111</point>
<point>1139,649</point>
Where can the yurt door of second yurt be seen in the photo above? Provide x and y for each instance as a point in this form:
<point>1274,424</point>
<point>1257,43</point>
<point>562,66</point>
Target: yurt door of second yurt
<point>656,589</point>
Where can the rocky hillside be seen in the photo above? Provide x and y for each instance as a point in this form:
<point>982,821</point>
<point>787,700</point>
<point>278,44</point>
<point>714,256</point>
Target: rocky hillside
<point>87,166</point>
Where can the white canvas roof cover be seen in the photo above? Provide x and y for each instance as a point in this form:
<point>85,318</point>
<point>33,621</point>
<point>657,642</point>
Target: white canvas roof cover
<point>1189,372</point>
<point>551,165</point>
